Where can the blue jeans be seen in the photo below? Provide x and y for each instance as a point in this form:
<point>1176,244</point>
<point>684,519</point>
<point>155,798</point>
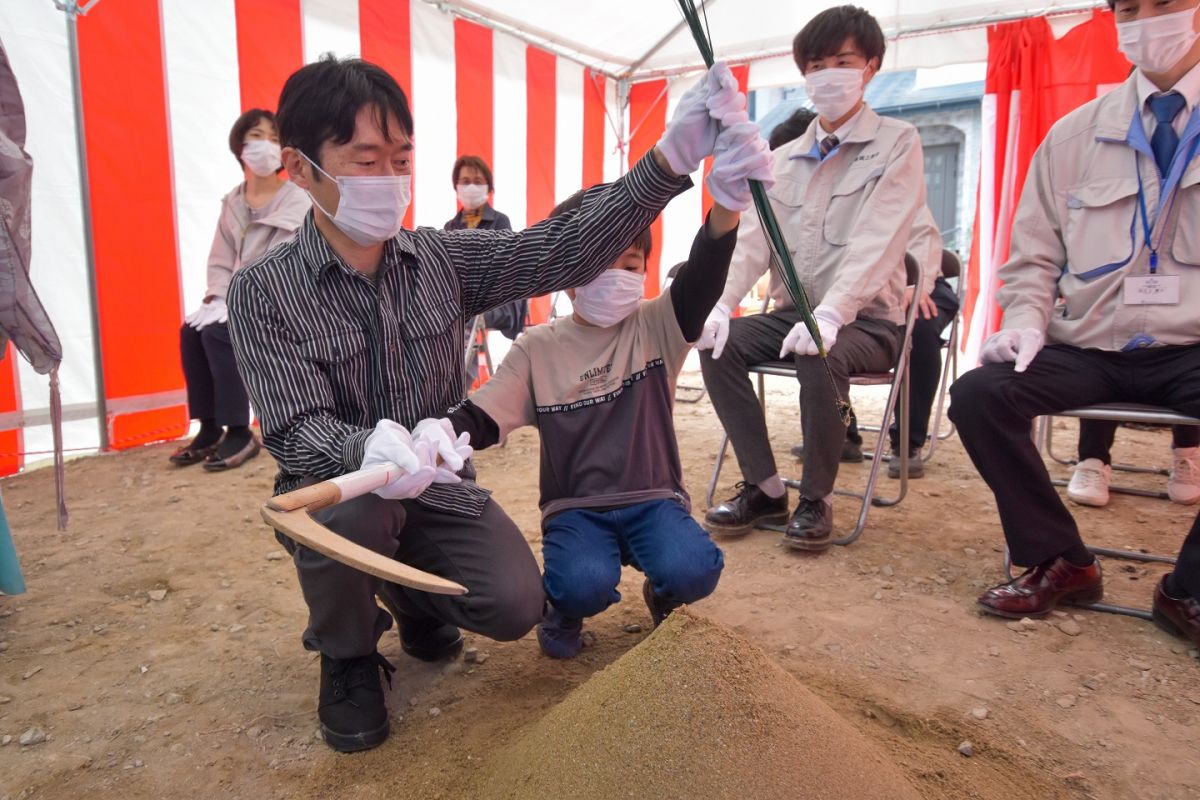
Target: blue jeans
<point>584,550</point>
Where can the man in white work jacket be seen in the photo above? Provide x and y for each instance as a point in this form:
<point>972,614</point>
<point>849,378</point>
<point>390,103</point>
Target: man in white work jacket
<point>1101,303</point>
<point>846,194</point>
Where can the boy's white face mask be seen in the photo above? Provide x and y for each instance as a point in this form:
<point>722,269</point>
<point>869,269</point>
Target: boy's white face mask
<point>1156,44</point>
<point>612,297</point>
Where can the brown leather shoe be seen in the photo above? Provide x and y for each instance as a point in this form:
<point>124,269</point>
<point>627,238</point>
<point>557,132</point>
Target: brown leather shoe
<point>1178,617</point>
<point>1037,591</point>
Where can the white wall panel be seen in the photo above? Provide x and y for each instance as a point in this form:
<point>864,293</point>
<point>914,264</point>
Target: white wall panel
<point>434,114</point>
<point>509,123</point>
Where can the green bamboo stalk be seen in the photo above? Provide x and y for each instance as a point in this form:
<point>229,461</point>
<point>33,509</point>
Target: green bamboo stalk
<point>784,266</point>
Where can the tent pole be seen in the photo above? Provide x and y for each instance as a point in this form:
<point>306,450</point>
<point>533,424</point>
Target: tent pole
<point>88,240</point>
<point>681,25</point>
<point>623,85</point>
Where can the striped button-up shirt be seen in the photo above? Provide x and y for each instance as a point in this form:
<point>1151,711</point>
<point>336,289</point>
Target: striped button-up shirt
<point>326,352</point>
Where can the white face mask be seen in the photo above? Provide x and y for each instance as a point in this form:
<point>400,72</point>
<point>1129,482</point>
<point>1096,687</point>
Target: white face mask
<point>1156,44</point>
<point>472,195</point>
<point>370,207</point>
<point>834,91</point>
<point>262,157</point>
<point>611,297</point>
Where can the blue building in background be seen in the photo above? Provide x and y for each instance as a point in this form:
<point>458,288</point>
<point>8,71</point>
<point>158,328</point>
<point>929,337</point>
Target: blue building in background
<point>948,117</point>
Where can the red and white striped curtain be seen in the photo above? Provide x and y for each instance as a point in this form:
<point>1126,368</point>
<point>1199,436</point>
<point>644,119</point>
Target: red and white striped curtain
<point>161,81</point>
<point>1033,80</point>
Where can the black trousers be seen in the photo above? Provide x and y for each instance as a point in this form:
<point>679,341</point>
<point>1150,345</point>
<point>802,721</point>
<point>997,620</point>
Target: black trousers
<point>214,388</point>
<point>994,407</point>
<point>488,555</point>
<point>1096,438</point>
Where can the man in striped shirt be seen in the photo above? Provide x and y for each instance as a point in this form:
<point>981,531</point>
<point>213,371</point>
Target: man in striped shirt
<point>351,334</point>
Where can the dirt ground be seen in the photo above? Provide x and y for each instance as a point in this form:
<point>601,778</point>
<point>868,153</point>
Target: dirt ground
<point>158,646</point>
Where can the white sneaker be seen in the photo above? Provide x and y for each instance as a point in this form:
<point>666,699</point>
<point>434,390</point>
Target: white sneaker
<point>1089,483</point>
<point>1184,484</point>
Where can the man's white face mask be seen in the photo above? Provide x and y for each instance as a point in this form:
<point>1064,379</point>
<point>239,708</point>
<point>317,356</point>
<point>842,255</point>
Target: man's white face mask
<point>370,208</point>
<point>612,297</point>
<point>1156,44</point>
<point>834,91</point>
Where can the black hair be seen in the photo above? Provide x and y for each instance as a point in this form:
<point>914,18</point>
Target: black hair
<point>791,128</point>
<point>237,134</point>
<point>644,241</point>
<point>825,33</point>
<point>320,102</point>
<point>476,162</point>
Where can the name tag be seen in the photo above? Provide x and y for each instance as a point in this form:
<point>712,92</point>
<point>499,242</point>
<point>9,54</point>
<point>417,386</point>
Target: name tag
<point>1152,290</point>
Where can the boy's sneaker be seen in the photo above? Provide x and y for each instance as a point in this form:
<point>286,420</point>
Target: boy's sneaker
<point>1089,483</point>
<point>558,635</point>
<point>351,706</point>
<point>1184,484</point>
<point>916,465</point>
<point>747,508</point>
<point>660,609</point>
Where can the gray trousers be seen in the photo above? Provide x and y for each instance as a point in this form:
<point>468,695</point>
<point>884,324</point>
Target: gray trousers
<point>865,345</point>
<point>488,555</point>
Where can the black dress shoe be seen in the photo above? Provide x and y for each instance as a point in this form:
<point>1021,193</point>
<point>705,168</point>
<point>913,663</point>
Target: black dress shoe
<point>351,706</point>
<point>429,639</point>
<point>1179,616</point>
<point>188,455</point>
<point>749,507</point>
<point>811,526</point>
<point>215,463</point>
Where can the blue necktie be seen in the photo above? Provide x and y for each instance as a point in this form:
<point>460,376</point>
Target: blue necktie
<point>1165,140</point>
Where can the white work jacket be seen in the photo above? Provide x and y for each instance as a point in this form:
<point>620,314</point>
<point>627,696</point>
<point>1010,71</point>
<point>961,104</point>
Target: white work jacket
<point>1079,231</point>
<point>847,220</point>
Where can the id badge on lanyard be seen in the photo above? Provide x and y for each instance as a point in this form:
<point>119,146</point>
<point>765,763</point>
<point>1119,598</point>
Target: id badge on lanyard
<point>1152,289</point>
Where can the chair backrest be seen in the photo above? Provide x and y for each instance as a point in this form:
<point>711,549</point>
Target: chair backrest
<point>951,264</point>
<point>912,270</point>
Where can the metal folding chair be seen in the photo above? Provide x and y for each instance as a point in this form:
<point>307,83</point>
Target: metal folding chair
<point>897,402</point>
<point>1149,415</point>
<point>1119,412</point>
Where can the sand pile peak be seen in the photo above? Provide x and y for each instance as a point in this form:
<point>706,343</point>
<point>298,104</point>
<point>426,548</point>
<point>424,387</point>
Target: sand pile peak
<point>694,711</point>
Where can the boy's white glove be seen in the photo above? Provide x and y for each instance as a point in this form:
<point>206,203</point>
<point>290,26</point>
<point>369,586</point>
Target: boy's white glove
<point>741,155</point>
<point>438,435</point>
<point>1020,346</point>
<point>800,341</point>
<point>692,132</point>
<point>715,332</point>
<point>391,442</point>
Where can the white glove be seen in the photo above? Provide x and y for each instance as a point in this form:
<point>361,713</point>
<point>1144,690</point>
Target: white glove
<point>1013,345</point>
<point>391,442</point>
<point>741,154</point>
<point>214,310</point>
<point>438,435</point>
<point>716,330</point>
<point>692,132</point>
<point>800,341</point>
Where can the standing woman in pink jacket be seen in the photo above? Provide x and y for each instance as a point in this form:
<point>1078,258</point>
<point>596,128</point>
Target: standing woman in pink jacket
<point>262,211</point>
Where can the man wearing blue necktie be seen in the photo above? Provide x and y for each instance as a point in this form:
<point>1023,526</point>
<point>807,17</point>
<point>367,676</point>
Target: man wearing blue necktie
<point>1100,306</point>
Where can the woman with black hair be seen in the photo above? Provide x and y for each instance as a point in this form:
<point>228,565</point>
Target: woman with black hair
<point>261,211</point>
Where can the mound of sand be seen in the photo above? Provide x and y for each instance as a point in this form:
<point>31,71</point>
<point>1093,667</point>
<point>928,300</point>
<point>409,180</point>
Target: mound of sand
<point>694,712</point>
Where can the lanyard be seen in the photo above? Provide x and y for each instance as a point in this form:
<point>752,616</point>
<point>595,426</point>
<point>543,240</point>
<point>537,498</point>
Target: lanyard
<point>1164,214</point>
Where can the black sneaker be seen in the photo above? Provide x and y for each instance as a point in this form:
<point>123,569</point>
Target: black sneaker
<point>916,466</point>
<point>749,507</point>
<point>851,452</point>
<point>811,526</point>
<point>351,707</point>
<point>424,638</point>
<point>429,639</point>
<point>660,609</point>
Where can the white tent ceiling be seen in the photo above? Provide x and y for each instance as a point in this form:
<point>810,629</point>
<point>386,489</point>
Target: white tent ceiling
<point>645,38</point>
